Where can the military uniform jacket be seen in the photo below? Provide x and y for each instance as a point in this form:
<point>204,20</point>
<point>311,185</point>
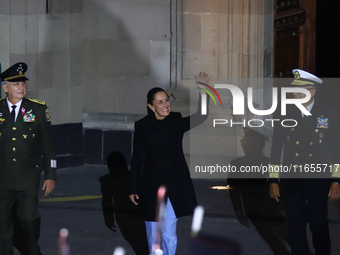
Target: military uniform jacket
<point>158,159</point>
<point>22,145</point>
<point>315,140</point>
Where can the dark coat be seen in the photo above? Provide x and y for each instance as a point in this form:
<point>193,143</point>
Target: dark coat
<point>158,159</point>
<point>307,144</point>
<point>22,145</point>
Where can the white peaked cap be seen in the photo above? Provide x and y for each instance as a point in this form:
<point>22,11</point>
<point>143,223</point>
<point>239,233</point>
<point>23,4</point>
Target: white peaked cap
<point>303,78</point>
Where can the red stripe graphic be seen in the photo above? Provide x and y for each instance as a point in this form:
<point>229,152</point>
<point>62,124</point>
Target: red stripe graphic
<point>218,96</point>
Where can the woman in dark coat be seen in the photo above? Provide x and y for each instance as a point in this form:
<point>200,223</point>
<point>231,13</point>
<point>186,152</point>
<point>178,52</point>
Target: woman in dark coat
<point>157,160</point>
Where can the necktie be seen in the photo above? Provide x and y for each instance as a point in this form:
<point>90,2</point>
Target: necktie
<point>13,112</point>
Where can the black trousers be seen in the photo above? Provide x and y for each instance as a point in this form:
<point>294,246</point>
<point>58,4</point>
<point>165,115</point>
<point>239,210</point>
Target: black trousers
<point>27,212</point>
<point>308,206</point>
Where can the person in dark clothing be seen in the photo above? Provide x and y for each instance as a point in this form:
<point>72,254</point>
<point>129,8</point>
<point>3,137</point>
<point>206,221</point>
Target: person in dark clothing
<point>19,235</point>
<point>158,159</point>
<point>117,206</point>
<point>26,148</point>
<point>307,148</point>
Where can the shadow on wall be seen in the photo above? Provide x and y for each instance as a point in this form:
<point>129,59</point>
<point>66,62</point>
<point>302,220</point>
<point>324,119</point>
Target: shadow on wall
<point>117,50</point>
<point>120,51</point>
<point>99,45</point>
<point>103,46</point>
<point>118,54</point>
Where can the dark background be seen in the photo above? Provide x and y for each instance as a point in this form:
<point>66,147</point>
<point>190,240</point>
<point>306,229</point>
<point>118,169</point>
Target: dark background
<point>328,50</point>
<point>327,38</point>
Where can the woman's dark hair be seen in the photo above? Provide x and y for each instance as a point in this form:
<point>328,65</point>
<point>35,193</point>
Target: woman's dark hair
<point>151,96</point>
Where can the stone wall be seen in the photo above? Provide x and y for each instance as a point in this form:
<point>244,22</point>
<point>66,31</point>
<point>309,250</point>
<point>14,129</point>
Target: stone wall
<point>90,58</point>
<point>104,55</point>
<point>232,41</point>
<point>126,52</point>
<point>87,55</point>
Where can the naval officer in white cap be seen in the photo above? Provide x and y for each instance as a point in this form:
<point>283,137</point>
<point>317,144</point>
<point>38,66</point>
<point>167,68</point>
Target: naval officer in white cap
<point>311,150</point>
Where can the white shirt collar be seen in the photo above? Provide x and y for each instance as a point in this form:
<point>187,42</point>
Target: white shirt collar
<point>309,108</point>
<point>18,104</point>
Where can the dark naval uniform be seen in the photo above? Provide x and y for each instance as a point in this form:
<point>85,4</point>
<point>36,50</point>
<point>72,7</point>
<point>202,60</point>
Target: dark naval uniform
<point>309,150</point>
<point>22,145</point>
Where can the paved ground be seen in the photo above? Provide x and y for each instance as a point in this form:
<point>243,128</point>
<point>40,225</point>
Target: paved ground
<point>88,234</point>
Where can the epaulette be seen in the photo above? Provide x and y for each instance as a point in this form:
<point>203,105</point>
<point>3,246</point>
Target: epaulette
<point>37,101</point>
<point>2,99</point>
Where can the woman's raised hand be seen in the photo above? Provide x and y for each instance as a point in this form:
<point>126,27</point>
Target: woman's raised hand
<point>202,79</point>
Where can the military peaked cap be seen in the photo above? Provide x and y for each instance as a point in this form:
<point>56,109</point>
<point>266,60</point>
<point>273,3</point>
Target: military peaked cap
<point>303,78</point>
<point>15,73</point>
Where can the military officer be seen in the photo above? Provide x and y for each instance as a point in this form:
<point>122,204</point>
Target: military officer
<point>308,148</point>
<point>25,136</point>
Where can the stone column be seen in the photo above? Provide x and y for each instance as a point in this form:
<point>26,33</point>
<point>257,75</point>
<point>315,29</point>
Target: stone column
<point>226,38</point>
<point>232,41</point>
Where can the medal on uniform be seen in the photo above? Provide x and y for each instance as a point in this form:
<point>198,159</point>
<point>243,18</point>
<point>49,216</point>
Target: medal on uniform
<point>27,117</point>
<point>320,135</point>
<point>322,122</point>
<point>1,119</point>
